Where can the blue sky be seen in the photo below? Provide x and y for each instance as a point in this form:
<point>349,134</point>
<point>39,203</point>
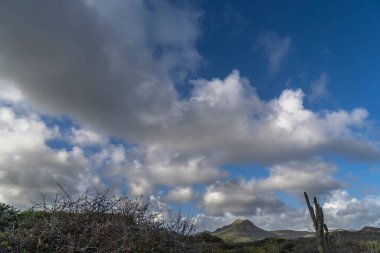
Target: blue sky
<point>339,38</point>
<point>228,110</point>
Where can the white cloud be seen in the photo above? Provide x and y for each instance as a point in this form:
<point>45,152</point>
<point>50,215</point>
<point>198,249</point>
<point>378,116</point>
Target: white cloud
<point>226,121</point>
<point>28,166</point>
<point>257,196</point>
<point>223,121</point>
<point>112,73</point>
<point>173,169</point>
<point>181,194</point>
<point>112,67</point>
<point>343,211</point>
<point>146,168</point>
<point>17,132</point>
<point>312,176</point>
<point>275,49</point>
<point>240,197</point>
<point>84,137</point>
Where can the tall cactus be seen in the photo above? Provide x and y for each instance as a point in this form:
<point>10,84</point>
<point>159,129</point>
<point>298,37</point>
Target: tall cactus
<point>320,227</point>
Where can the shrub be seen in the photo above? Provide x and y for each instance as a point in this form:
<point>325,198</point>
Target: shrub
<point>99,222</point>
<point>8,216</point>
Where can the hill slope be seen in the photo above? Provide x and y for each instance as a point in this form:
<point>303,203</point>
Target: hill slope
<point>246,231</point>
<point>242,231</point>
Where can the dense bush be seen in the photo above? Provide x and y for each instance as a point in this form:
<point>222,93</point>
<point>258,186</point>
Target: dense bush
<point>8,216</point>
<point>98,222</point>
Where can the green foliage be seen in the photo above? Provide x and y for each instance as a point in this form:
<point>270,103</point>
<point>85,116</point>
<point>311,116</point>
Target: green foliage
<point>8,215</point>
<point>371,245</point>
<point>33,214</point>
<point>236,238</point>
<point>207,237</point>
<point>3,239</point>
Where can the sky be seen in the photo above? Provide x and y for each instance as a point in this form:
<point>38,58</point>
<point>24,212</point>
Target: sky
<point>220,109</point>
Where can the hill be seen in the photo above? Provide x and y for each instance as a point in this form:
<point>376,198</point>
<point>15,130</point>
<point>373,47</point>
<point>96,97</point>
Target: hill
<point>246,231</point>
<point>368,229</point>
<point>242,231</point>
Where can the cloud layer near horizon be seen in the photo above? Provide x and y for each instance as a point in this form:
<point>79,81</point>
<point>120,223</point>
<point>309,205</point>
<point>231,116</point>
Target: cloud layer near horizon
<point>113,69</point>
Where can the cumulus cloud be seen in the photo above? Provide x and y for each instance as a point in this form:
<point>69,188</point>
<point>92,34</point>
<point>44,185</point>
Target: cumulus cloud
<point>343,211</point>
<point>29,167</point>
<point>257,196</point>
<point>181,194</point>
<point>226,120</point>
<point>240,197</point>
<point>275,49</point>
<point>146,168</point>
<point>111,68</point>
<point>312,176</point>
<point>108,64</point>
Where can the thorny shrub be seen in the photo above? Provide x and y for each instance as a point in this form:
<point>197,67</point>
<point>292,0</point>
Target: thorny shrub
<point>99,222</point>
